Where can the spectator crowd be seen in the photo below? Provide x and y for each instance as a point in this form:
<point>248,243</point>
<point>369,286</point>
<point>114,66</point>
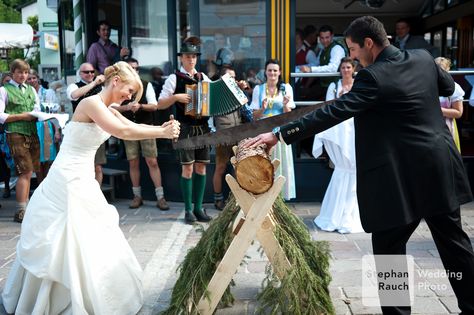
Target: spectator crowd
<point>28,147</point>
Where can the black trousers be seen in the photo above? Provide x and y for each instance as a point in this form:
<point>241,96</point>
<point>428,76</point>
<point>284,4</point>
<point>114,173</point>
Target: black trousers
<point>454,247</point>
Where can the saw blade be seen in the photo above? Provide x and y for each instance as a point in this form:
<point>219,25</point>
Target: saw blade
<point>230,136</point>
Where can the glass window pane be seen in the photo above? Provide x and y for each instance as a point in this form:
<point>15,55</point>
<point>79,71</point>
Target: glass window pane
<point>438,40</point>
<point>439,5</point>
<point>149,33</point>
<point>427,37</point>
<point>233,32</point>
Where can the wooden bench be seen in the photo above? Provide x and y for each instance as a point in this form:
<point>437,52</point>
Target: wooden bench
<point>110,186</point>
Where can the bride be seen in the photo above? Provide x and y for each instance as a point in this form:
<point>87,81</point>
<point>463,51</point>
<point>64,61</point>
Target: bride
<point>72,257</point>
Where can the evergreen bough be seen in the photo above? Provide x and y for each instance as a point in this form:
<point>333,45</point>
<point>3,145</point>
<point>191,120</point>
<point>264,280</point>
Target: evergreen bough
<point>303,290</point>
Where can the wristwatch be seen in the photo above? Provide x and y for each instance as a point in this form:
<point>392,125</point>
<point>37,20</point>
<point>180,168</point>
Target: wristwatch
<point>276,132</point>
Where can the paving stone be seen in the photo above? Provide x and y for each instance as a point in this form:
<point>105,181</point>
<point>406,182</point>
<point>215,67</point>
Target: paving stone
<point>358,236</point>
<point>428,305</point>
<point>257,266</point>
<point>148,228</point>
<point>428,263</point>
<point>420,244</point>
<point>421,253</point>
<point>353,292</point>
<point>252,307</point>
<point>247,286</point>
<point>342,265</point>
<point>239,308</point>
<point>341,307</point>
<point>318,235</point>
<point>357,307</point>
<point>345,278</point>
<point>451,304</point>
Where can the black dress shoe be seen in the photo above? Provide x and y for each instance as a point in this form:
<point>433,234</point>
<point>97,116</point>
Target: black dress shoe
<point>219,204</point>
<point>6,193</point>
<point>189,217</point>
<point>202,216</point>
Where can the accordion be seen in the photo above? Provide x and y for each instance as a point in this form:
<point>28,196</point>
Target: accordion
<point>214,98</point>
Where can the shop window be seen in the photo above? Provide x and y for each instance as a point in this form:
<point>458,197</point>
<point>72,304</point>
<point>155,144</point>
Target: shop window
<point>233,33</point>
<point>149,33</point>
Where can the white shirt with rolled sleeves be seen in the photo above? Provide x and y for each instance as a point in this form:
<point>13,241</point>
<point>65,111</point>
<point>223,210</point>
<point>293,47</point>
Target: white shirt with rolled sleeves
<point>169,88</point>
<point>337,53</point>
<point>170,84</point>
<point>71,88</point>
<point>4,101</point>
<point>150,94</point>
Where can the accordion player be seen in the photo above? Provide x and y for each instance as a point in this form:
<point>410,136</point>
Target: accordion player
<point>214,98</point>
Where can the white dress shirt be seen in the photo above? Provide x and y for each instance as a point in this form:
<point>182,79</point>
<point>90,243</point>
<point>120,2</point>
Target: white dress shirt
<point>4,101</point>
<point>337,53</point>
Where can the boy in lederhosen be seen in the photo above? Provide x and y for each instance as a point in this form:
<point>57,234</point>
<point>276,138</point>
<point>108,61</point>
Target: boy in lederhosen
<point>17,100</point>
<point>194,161</point>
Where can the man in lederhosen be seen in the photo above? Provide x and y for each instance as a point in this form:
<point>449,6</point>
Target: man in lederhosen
<point>193,162</point>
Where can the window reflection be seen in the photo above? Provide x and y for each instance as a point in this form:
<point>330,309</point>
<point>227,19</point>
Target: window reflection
<point>232,32</point>
<point>149,33</point>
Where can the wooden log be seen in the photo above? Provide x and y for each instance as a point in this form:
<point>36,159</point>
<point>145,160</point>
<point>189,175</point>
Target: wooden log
<point>253,168</point>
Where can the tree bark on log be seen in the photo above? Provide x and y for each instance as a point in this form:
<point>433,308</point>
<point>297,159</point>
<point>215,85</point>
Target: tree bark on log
<point>253,168</point>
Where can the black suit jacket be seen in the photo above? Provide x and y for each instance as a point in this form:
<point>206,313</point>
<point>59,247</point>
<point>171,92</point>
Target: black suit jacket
<point>418,42</point>
<point>408,166</point>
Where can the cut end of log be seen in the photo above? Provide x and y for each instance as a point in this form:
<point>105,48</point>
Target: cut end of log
<point>253,169</point>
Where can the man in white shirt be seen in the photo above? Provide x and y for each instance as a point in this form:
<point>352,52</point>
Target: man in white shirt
<point>194,161</point>
<point>328,60</point>
<point>17,100</point>
<point>88,85</point>
<point>141,112</point>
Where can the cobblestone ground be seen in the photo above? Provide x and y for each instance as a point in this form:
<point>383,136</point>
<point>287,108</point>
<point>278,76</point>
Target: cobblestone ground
<point>160,241</point>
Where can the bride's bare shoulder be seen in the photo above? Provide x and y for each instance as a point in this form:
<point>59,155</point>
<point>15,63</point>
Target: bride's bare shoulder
<point>85,108</point>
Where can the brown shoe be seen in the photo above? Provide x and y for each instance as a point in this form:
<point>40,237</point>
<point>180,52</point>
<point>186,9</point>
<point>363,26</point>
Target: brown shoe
<point>136,202</point>
<point>162,204</point>
<point>19,216</point>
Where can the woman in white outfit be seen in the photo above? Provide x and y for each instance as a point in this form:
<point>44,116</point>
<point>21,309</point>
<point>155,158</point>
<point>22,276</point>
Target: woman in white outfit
<point>451,106</point>
<point>339,210</point>
<point>72,257</point>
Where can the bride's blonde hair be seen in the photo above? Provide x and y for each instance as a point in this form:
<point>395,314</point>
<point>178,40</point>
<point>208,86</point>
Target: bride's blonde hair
<point>126,74</point>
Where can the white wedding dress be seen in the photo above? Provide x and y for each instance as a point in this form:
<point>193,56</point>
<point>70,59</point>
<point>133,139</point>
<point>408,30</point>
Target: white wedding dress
<point>72,257</point>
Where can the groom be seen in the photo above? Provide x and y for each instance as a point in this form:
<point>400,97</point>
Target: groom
<point>408,167</point>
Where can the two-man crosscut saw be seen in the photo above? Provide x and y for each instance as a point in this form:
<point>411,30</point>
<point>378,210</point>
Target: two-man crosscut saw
<point>233,135</point>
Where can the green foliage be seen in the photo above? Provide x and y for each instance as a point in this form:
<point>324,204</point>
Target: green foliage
<point>8,12</point>
<point>200,264</point>
<point>3,66</point>
<point>33,22</point>
<point>34,58</point>
<point>13,54</point>
<point>303,290</point>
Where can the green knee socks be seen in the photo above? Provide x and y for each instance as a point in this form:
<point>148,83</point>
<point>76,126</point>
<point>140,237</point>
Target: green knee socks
<point>187,192</point>
<point>199,182</point>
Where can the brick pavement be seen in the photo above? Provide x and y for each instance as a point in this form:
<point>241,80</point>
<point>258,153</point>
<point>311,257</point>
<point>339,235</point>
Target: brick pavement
<point>160,241</point>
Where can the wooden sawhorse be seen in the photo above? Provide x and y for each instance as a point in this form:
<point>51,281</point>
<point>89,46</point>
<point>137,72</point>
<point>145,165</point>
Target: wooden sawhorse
<point>256,221</point>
